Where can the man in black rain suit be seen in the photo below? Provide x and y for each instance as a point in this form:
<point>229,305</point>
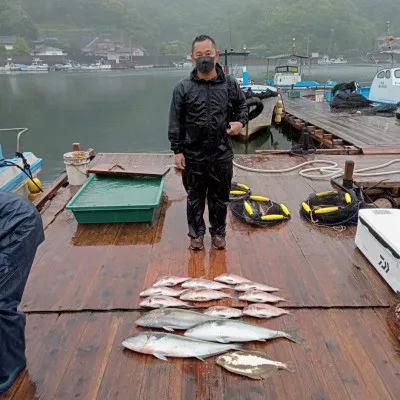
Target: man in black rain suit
<point>21,232</point>
<point>207,107</point>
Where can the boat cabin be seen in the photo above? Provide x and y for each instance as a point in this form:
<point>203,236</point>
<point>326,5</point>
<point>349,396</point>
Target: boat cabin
<point>385,86</point>
<point>287,75</point>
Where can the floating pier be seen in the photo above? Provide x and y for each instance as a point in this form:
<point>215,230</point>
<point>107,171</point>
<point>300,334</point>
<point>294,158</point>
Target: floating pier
<point>352,133</point>
<point>82,297</point>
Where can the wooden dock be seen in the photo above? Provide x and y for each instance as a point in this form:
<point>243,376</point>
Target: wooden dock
<point>365,133</point>
<point>82,300</point>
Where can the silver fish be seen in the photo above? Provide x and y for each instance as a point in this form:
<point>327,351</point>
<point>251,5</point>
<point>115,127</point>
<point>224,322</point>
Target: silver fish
<point>231,279</point>
<point>163,345</point>
<point>203,295</point>
<point>170,319</point>
<point>253,364</point>
<point>226,331</point>
<point>246,286</point>
<point>223,312</point>
<point>170,281</point>
<point>263,311</point>
<point>258,296</point>
<point>162,301</point>
<point>161,291</point>
<point>199,283</point>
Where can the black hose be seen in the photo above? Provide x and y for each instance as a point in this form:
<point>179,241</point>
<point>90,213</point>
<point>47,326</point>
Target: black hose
<point>7,163</point>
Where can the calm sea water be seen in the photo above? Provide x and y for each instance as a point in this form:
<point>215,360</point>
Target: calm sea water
<point>115,111</point>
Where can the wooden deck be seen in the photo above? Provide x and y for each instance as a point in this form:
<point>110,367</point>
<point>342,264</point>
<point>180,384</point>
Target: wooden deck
<point>83,293</point>
<point>371,134</point>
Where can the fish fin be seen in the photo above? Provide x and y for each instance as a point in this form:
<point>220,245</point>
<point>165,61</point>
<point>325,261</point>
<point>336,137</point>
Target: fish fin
<point>267,371</point>
<point>160,356</point>
<point>261,340</point>
<point>199,358</point>
<point>289,366</point>
<point>223,339</point>
<point>168,328</point>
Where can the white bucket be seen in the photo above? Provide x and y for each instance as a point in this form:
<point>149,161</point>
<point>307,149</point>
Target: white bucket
<point>77,165</point>
<point>319,96</point>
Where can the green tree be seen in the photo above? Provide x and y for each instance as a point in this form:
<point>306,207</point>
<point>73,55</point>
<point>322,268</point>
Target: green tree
<point>15,21</point>
<point>20,47</point>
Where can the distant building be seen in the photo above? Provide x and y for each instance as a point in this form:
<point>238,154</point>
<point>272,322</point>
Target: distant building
<point>124,54</point>
<point>102,45</point>
<point>44,51</point>
<point>8,42</point>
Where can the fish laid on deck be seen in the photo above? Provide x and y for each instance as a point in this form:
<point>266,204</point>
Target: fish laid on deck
<point>203,295</point>
<point>231,279</point>
<point>258,296</point>
<point>228,331</point>
<point>247,286</point>
<point>162,301</point>
<point>163,345</point>
<point>170,281</point>
<point>200,283</point>
<point>253,364</point>
<point>261,310</point>
<point>162,291</point>
<point>170,319</point>
<point>224,312</point>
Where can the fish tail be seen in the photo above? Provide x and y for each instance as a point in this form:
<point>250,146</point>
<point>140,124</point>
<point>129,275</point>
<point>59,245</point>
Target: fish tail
<point>288,366</point>
<point>293,335</point>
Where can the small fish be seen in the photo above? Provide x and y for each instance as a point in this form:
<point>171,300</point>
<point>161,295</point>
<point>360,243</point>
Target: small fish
<point>172,318</point>
<point>253,364</point>
<point>162,291</point>
<point>261,310</point>
<point>162,301</point>
<point>223,312</point>
<point>199,283</point>
<point>231,279</point>
<point>227,331</point>
<point>203,295</point>
<point>246,286</point>
<point>170,281</point>
<point>257,296</point>
<point>163,345</point>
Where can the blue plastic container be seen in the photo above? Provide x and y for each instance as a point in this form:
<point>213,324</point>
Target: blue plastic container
<point>328,96</point>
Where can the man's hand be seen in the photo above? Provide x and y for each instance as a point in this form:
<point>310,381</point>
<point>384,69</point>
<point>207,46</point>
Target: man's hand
<point>235,128</point>
<point>180,161</point>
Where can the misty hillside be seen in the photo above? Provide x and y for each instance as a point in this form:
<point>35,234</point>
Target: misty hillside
<point>334,26</point>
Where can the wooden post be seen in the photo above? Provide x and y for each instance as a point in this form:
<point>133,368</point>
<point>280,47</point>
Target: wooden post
<point>76,147</point>
<point>348,174</point>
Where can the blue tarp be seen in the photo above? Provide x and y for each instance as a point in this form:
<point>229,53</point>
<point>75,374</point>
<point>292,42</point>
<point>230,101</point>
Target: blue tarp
<point>21,232</point>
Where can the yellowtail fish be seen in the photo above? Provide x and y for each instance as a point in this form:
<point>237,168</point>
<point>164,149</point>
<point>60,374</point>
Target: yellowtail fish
<point>253,364</point>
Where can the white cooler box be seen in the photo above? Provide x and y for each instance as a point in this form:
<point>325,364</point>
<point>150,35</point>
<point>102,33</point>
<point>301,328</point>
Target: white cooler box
<point>378,238</point>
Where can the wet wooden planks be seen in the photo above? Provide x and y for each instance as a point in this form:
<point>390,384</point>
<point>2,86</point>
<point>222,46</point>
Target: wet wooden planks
<point>96,267</point>
<point>342,354</point>
<point>359,130</point>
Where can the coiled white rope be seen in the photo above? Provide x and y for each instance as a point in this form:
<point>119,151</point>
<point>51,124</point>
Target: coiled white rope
<point>330,170</point>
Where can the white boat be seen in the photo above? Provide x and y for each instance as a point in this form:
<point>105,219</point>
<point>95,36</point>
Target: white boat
<point>98,66</point>
<point>37,66</point>
<point>267,94</point>
<point>338,60</point>
<point>385,87</point>
<point>16,173</point>
<point>289,77</point>
<point>325,60</point>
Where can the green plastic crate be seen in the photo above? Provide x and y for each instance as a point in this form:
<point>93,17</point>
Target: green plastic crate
<point>108,199</point>
<point>294,94</point>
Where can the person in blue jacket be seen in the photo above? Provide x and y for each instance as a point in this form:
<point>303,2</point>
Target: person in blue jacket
<point>21,232</point>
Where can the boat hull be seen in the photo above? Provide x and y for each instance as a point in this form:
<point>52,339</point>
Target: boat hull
<point>12,179</point>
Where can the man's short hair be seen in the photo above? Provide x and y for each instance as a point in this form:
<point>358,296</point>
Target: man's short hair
<point>203,38</point>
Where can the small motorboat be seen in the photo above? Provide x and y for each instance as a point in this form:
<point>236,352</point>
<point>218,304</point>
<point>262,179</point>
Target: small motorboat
<point>20,173</point>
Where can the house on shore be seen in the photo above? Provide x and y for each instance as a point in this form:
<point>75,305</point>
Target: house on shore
<point>8,42</point>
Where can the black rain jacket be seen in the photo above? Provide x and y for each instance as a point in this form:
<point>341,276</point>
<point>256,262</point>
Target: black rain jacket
<point>200,113</point>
